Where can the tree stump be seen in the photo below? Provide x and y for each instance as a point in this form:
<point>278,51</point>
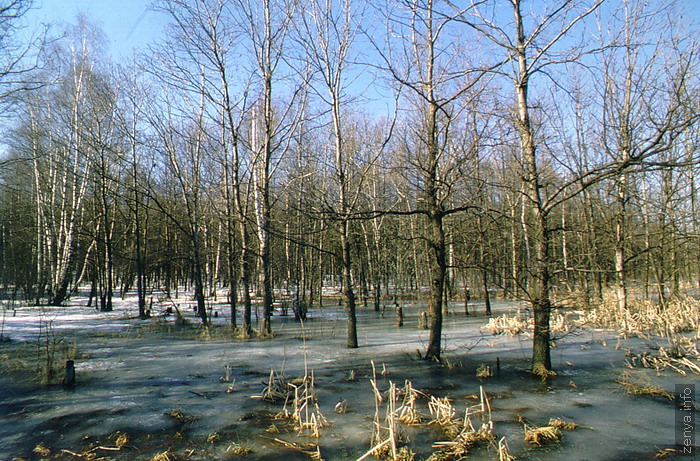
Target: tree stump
<point>423,321</point>
<point>69,379</point>
<point>399,316</point>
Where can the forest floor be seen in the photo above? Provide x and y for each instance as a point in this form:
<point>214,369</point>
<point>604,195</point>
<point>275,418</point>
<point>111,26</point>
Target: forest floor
<point>151,389</point>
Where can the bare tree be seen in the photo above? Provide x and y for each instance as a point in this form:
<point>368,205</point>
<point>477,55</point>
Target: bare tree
<point>203,59</point>
<point>17,58</point>
<point>531,52</point>
<point>423,63</point>
<point>131,125</point>
<point>327,30</point>
<point>644,81</point>
<point>266,26</point>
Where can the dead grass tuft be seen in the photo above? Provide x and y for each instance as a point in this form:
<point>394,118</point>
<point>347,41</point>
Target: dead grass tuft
<point>178,415</point>
<point>236,449</point>
<point>120,439</point>
<point>484,371</point>
<point>213,438</point>
<point>680,355</point>
<point>464,436</point>
<point>165,456</point>
<point>42,450</point>
<point>442,411</point>
<point>541,435</point>
<point>507,325</point>
<point>522,324</point>
<point>563,425</point>
<point>642,389</point>
<point>467,438</point>
<point>277,388</point>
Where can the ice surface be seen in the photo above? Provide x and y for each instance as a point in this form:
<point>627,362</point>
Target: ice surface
<point>129,378</point>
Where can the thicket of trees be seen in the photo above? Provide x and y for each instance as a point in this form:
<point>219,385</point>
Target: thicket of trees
<point>528,150</point>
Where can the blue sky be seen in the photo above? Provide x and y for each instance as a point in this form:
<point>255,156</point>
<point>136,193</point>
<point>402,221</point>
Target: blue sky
<point>128,24</point>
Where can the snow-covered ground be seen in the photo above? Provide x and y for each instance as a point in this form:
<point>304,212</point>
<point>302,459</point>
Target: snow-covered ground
<point>131,373</point>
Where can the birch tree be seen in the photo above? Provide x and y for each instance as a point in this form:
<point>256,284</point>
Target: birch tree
<point>62,156</point>
<point>17,56</point>
<point>266,26</point>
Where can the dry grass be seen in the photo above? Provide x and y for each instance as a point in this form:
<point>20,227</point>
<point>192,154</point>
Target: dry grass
<point>165,456</point>
<point>507,325</point>
<point>681,355</point>
<point>464,442</point>
<point>643,389</point>
<point>541,435</point>
<point>542,372</point>
<point>464,436</point>
<point>563,425</point>
<point>42,450</point>
<point>484,371</point>
<point>521,324</point>
<point>120,439</point>
<point>213,438</point>
<point>277,388</point>
<point>236,449</point>
<point>27,361</point>
<point>310,449</point>
<point>664,453</point>
<point>178,415</point>
<point>643,318</point>
<point>156,325</point>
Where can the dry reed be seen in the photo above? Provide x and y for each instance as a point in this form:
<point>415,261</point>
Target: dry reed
<point>407,412</point>
<point>680,356</point>
<point>386,431</point>
<point>643,318</point>
<point>642,388</point>
<point>521,324</point>
<point>464,436</point>
<point>503,451</point>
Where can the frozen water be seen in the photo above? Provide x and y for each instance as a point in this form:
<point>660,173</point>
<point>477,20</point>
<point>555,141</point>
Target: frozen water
<point>130,378</point>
